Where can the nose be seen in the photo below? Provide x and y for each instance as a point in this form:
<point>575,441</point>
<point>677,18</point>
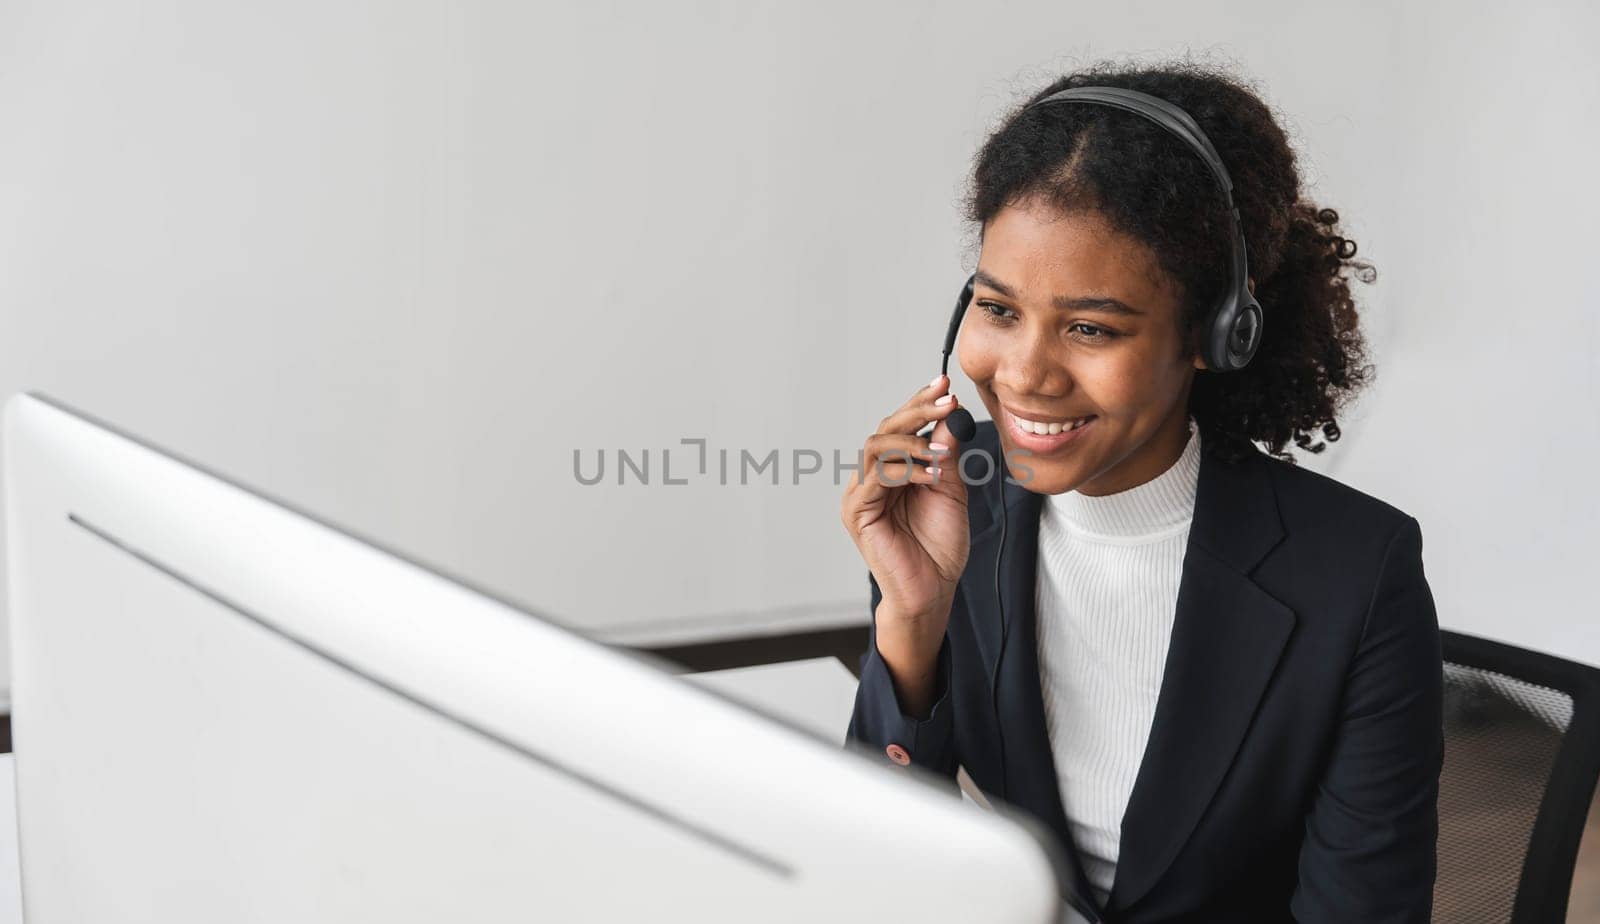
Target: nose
<point>1030,366</point>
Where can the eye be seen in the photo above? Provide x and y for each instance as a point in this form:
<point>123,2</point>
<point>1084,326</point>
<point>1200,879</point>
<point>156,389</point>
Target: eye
<point>1096,334</point>
<point>993,312</point>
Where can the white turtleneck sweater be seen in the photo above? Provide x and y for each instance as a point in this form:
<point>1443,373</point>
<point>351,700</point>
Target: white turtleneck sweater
<point>1106,594</point>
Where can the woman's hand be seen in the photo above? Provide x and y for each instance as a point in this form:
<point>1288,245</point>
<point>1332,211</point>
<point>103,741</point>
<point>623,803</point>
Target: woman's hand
<point>910,525</point>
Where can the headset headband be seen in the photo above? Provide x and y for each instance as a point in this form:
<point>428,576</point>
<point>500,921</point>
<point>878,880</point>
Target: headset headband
<point>1162,113</point>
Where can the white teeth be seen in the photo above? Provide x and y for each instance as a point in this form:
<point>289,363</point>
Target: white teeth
<point>1050,429</point>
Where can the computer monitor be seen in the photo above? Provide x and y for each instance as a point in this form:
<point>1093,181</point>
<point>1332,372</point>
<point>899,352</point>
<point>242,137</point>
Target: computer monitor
<point>226,710</point>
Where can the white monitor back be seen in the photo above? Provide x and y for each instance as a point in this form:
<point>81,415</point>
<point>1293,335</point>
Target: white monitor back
<point>226,710</point>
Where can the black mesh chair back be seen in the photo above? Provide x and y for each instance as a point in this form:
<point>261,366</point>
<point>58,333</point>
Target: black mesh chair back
<point>1521,757</point>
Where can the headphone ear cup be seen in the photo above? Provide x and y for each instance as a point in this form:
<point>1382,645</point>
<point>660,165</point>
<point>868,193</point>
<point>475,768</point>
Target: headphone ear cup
<point>1245,335</point>
<point>1234,334</point>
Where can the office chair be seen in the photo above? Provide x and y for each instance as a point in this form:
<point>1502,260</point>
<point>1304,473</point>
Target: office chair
<point>1521,758</point>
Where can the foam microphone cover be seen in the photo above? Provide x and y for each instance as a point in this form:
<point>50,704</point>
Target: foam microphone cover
<point>961,425</point>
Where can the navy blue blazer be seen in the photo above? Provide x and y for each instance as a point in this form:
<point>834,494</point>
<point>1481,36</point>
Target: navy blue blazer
<point>1292,768</point>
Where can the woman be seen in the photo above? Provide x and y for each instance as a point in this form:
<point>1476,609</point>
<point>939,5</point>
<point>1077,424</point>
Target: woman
<point>1214,676</point>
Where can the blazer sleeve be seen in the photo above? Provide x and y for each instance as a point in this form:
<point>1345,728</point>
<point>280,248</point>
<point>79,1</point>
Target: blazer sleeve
<point>1369,850</point>
<point>881,727</point>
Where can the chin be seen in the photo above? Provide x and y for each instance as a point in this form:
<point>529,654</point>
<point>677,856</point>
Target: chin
<point>1044,480</point>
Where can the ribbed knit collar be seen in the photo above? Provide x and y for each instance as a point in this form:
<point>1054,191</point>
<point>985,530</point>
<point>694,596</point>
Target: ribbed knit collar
<point>1155,506</point>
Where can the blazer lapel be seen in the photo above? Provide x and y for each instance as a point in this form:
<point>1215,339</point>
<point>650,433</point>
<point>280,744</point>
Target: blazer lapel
<point>1030,776</point>
<point>1227,637</point>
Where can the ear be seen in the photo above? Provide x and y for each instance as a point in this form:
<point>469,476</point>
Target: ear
<point>1250,283</point>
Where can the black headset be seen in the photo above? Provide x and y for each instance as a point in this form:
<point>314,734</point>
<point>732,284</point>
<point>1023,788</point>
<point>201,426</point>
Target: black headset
<point>1232,329</point>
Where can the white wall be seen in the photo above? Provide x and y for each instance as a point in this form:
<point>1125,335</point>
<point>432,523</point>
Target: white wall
<point>396,261</point>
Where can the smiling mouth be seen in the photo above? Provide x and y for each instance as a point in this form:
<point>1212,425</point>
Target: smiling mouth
<point>1045,436</point>
<point>1048,428</point>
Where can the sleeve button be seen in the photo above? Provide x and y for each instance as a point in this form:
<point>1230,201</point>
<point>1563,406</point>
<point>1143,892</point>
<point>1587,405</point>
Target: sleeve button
<point>898,754</point>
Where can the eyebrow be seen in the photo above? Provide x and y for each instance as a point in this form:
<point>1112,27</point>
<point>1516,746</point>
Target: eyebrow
<point>1103,304</point>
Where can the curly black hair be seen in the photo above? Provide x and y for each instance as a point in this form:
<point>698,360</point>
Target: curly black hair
<point>1155,188</point>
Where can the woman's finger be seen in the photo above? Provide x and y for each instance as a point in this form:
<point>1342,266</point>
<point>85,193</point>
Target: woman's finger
<point>908,444</point>
<point>898,431</point>
<point>881,449</point>
<point>951,465</point>
<point>886,463</point>
<point>895,474</point>
<point>934,404</point>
